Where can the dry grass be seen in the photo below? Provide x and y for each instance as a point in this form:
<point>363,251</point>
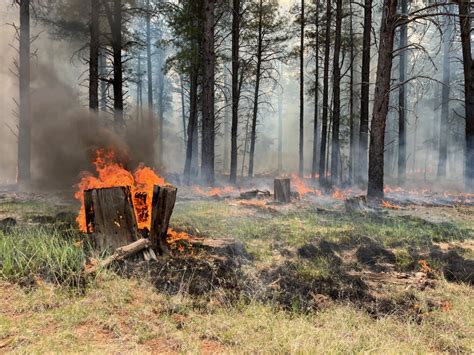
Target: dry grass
<point>114,314</point>
<point>118,315</point>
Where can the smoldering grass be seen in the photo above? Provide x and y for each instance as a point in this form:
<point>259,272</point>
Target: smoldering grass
<point>30,254</point>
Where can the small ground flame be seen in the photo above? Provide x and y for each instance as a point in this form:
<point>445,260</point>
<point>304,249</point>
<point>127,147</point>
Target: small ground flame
<point>111,173</point>
<point>386,204</point>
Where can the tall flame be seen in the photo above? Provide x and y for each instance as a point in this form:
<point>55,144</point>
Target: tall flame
<point>111,173</point>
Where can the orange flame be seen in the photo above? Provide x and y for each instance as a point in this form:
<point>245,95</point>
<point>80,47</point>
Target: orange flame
<point>387,204</point>
<point>300,186</point>
<point>338,194</point>
<point>215,191</point>
<point>113,174</point>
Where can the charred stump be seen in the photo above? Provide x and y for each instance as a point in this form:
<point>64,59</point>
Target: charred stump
<point>110,218</point>
<point>282,190</point>
<point>164,198</point>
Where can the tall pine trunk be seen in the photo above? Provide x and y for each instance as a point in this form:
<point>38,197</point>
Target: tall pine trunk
<point>208,119</point>
<point>94,47</point>
<point>314,167</point>
<point>103,83</point>
<point>336,96</point>
<point>227,119</point>
<point>114,17</point>
<point>192,124</point>
<point>253,135</point>
<point>301,147</point>
<point>352,147</point>
<point>465,18</point>
<point>364,94</point>
<point>381,100</point>
<point>24,125</point>
<point>183,108</point>
<point>235,89</point>
<point>151,121</point>
<point>445,90</point>
<point>324,124</point>
<point>402,98</point>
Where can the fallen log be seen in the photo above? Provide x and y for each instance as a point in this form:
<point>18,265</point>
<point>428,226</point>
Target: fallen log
<point>110,218</point>
<point>164,198</point>
<point>282,190</point>
<point>120,254</point>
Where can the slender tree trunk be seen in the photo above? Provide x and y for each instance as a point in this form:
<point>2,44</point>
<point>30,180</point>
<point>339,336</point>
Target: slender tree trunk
<point>336,96</point>
<point>94,56</point>
<point>24,125</point>
<point>280,129</point>
<point>208,119</point>
<point>139,89</point>
<point>324,125</point>
<point>352,146</point>
<point>465,18</point>
<point>151,120</point>
<point>115,21</point>
<point>103,83</point>
<point>381,100</point>
<point>183,108</point>
<point>314,167</point>
<point>227,119</point>
<point>192,124</point>
<point>402,98</point>
<point>364,93</point>
<point>235,88</point>
<point>253,135</point>
<point>301,150</point>
<point>443,128</point>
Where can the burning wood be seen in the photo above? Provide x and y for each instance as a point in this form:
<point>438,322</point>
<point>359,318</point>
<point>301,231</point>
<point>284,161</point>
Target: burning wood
<point>118,207</point>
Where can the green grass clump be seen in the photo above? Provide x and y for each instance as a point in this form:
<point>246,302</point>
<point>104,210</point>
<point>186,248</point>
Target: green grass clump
<point>30,253</point>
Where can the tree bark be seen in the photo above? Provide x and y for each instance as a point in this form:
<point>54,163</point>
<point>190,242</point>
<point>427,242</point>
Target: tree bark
<point>253,135</point>
<point>164,198</point>
<point>110,217</point>
<point>336,96</point>
<point>468,63</point>
<point>235,89</point>
<point>94,47</point>
<point>364,94</point>
<point>324,125</point>
<point>402,98</point>
<point>208,118</point>
<point>301,147</point>
<point>381,100</point>
<point>24,125</point>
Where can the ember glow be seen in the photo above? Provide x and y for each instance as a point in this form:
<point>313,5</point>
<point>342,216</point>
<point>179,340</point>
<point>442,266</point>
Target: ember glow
<point>111,173</point>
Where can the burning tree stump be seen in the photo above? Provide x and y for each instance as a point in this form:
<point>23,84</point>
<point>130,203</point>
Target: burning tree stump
<point>164,198</point>
<point>282,190</point>
<point>110,217</point>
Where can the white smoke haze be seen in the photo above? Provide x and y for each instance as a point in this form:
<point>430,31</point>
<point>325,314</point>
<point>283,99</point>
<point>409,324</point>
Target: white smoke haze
<point>65,135</point>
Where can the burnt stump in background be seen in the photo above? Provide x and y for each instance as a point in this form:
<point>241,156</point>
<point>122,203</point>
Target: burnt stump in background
<point>282,190</point>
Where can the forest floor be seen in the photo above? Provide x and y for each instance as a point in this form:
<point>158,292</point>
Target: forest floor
<point>304,277</point>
